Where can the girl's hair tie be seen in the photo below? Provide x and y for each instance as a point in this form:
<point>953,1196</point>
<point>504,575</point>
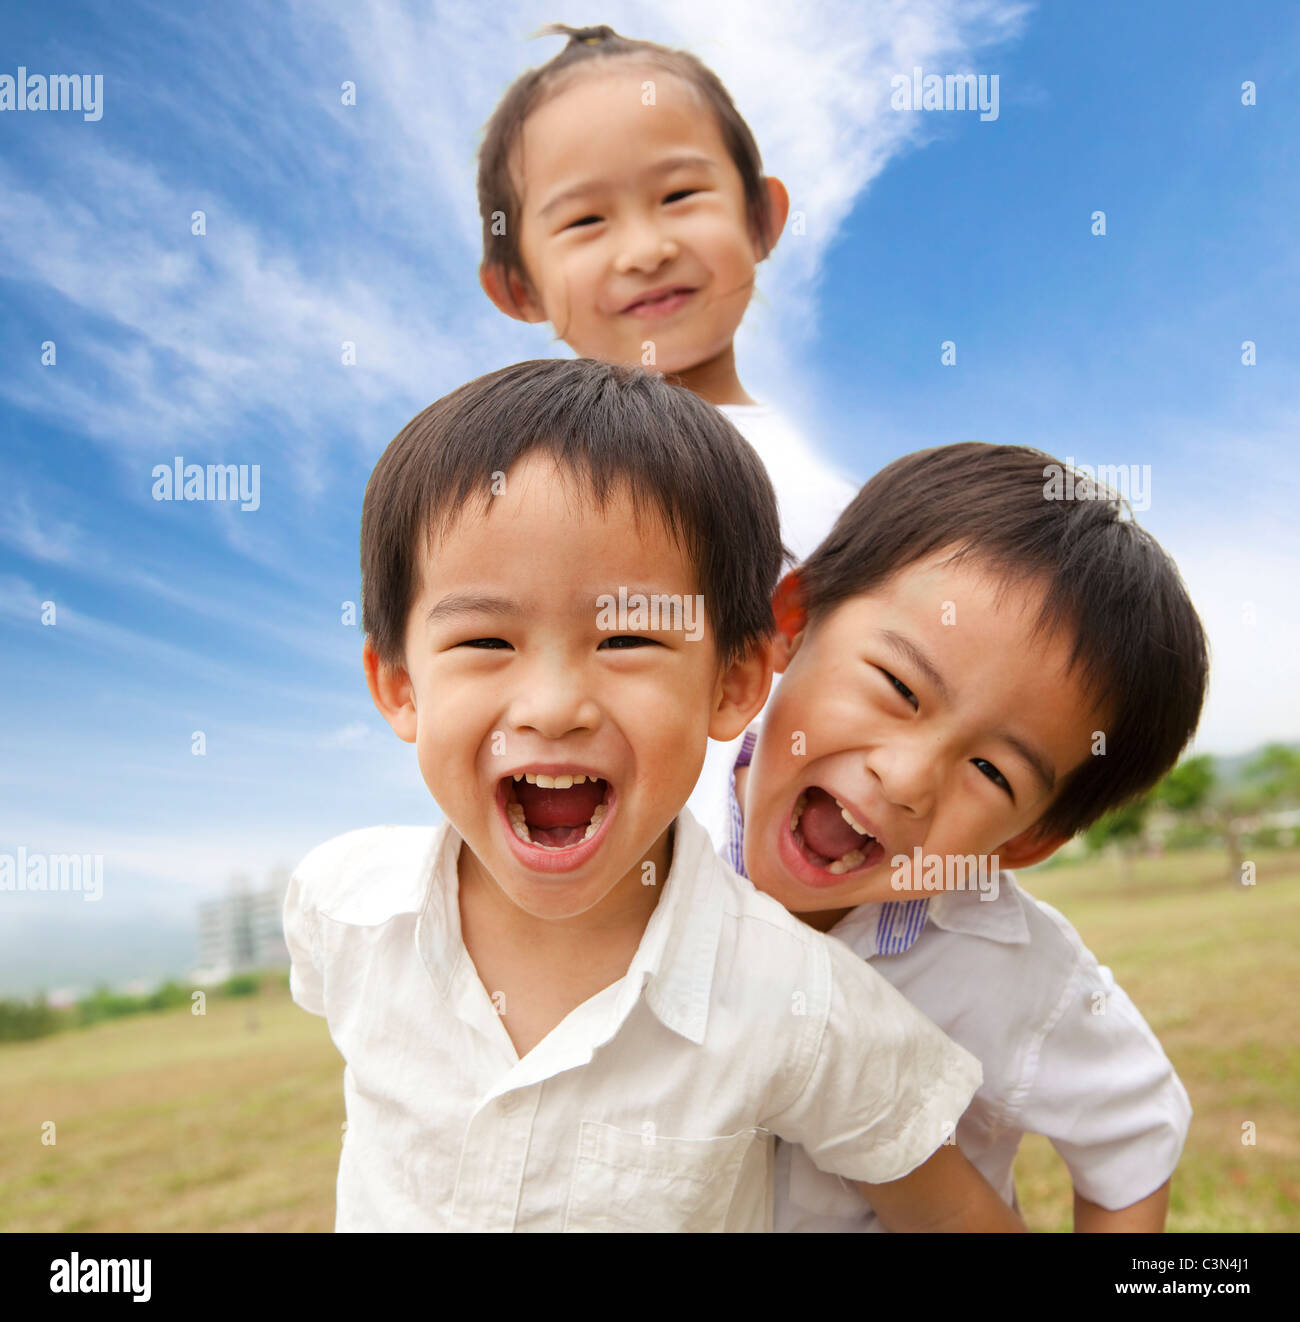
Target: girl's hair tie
<point>592,36</point>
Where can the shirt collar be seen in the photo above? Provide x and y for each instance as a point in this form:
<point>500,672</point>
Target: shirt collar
<point>674,961</point>
<point>890,927</point>
<point>1001,919</point>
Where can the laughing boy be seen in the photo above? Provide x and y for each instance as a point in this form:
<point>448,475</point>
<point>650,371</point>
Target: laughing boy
<point>560,1010</point>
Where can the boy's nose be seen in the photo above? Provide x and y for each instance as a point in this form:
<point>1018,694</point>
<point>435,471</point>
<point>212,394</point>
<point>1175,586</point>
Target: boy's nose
<point>908,771</point>
<point>553,701</point>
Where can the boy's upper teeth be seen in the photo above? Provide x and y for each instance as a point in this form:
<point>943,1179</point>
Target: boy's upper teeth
<point>799,804</point>
<point>852,821</point>
<point>551,782</point>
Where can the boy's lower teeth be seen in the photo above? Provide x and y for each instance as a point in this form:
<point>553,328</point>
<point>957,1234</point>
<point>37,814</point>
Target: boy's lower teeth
<point>518,823</point>
<point>846,862</point>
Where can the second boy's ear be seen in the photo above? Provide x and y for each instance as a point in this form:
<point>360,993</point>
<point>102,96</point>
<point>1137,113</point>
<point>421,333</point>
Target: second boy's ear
<point>509,294</point>
<point>393,693</point>
<point>1028,848</point>
<point>791,620</point>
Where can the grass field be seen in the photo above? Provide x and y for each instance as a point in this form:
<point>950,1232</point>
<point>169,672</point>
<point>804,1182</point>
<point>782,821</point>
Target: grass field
<point>232,1120</point>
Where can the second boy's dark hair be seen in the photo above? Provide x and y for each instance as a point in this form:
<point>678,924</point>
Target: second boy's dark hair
<point>1138,642</point>
<point>611,428</point>
<point>589,48</point>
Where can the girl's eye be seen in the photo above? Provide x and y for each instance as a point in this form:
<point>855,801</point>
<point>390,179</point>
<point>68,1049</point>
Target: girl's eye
<point>490,643</point>
<point>623,642</point>
<point>901,687</point>
<point>989,770</point>
<point>681,192</point>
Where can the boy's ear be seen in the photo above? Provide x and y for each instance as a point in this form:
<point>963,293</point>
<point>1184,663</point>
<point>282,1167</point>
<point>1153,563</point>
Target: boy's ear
<point>509,294</point>
<point>741,692</point>
<point>392,691</point>
<point>1028,848</point>
<point>779,206</point>
<point>791,620</point>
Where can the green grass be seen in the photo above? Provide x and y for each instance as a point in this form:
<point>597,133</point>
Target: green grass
<point>1213,968</point>
<point>232,1120</point>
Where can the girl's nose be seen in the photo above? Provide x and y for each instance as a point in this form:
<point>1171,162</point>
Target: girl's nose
<point>644,249</point>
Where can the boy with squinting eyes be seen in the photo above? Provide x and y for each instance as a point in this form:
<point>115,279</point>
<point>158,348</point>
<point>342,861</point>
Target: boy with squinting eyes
<point>974,670</point>
<point>561,1010</point>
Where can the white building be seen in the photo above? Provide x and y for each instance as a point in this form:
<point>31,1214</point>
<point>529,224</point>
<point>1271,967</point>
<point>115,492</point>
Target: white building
<point>242,931</point>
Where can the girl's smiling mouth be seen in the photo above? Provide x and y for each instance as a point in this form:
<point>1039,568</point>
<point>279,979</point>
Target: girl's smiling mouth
<point>555,818</point>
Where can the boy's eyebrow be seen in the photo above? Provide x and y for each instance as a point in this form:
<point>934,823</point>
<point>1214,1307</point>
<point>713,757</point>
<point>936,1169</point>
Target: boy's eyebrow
<point>480,603</point>
<point>470,603</point>
<point>901,643</point>
<point>679,162</point>
<point>1042,768</point>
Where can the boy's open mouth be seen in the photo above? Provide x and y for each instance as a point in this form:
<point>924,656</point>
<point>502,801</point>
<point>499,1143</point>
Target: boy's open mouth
<point>829,837</point>
<point>555,811</point>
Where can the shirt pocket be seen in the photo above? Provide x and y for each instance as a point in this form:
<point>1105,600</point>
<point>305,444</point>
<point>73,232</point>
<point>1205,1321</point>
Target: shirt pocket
<point>643,1181</point>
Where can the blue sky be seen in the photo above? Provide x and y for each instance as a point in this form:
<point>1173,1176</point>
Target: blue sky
<point>329,223</point>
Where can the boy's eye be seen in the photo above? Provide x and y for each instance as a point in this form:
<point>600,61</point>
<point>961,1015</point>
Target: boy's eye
<point>989,770</point>
<point>585,220</point>
<point>624,641</point>
<point>901,687</point>
<point>490,643</point>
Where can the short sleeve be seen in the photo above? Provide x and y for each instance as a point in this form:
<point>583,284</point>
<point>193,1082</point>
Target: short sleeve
<point>886,1087</point>
<point>1105,1093</point>
<point>300,935</point>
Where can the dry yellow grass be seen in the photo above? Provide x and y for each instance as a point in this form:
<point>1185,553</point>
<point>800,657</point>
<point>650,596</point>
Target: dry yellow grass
<point>225,1121</point>
<point>1214,969</point>
<point>232,1120</point>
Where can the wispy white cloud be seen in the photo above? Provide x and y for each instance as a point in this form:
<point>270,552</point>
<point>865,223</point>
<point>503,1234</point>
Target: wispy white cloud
<point>347,736</point>
<point>201,336</point>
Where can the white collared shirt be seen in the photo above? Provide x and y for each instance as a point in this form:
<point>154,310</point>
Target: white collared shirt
<point>1065,1053</point>
<point>654,1105</point>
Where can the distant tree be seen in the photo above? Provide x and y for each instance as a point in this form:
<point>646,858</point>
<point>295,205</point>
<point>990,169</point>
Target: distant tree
<point>1275,774</point>
<point>1122,827</point>
<point>1186,789</point>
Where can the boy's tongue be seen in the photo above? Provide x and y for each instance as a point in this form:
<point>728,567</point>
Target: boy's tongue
<point>548,808</point>
<point>823,827</point>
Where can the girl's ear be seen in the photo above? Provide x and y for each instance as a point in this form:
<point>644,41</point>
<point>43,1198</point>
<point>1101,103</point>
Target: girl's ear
<point>791,620</point>
<point>778,200</point>
<point>509,294</point>
<point>393,693</point>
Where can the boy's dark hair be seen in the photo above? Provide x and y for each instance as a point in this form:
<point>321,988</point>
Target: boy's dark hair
<point>587,48</point>
<point>1138,642</point>
<point>613,428</point>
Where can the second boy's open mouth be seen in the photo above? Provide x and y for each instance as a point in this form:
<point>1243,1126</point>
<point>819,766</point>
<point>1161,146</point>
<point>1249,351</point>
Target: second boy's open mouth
<point>829,838</point>
<point>555,818</point>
